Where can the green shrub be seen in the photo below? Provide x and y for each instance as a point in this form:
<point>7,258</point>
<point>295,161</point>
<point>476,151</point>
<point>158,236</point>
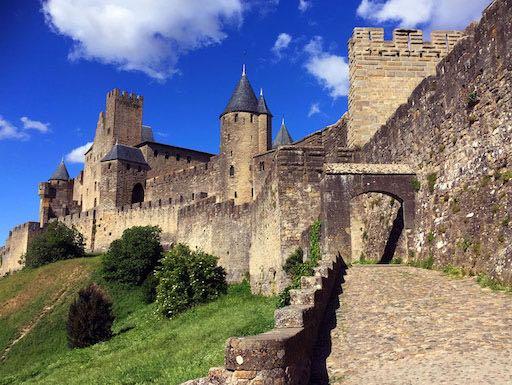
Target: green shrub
<point>431,180</point>
<point>133,257</point>
<point>296,268</point>
<point>90,318</point>
<point>187,278</point>
<point>416,184</point>
<point>55,243</point>
<point>149,289</point>
<point>472,99</point>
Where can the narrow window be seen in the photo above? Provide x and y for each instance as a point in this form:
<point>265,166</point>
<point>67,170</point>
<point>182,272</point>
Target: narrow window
<point>155,153</point>
<point>231,170</point>
<point>252,118</point>
<point>181,198</point>
<point>139,169</point>
<point>193,196</point>
<point>189,159</point>
<point>128,166</point>
<point>178,156</point>
<point>236,196</point>
<point>252,192</point>
<point>236,117</point>
<point>166,155</point>
<point>262,166</point>
<point>229,137</point>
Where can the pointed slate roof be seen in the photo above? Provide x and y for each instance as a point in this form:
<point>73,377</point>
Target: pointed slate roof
<point>61,173</point>
<point>243,98</point>
<point>262,105</point>
<point>147,134</point>
<point>126,153</point>
<point>283,137</point>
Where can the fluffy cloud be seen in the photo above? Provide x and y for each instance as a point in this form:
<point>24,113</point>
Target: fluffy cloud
<point>331,71</point>
<point>431,14</point>
<point>304,5</point>
<point>134,35</point>
<point>314,109</point>
<point>282,42</point>
<point>29,124</point>
<point>9,131</point>
<point>78,154</point>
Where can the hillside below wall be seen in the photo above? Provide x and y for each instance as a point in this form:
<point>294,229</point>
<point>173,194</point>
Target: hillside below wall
<point>455,131</point>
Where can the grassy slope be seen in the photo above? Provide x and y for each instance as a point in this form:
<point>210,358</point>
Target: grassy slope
<point>146,349</point>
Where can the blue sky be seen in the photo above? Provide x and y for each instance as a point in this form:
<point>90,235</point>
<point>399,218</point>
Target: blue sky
<point>59,58</point>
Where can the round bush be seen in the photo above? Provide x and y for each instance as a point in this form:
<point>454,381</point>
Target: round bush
<point>90,318</point>
<point>133,257</point>
<point>55,243</point>
<point>187,278</point>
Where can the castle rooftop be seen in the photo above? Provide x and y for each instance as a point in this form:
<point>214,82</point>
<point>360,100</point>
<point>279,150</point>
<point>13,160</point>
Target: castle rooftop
<point>61,173</point>
<point>283,137</point>
<point>126,153</point>
<point>243,98</point>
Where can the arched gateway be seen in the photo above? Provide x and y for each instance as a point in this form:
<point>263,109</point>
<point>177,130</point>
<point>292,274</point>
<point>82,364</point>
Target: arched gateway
<point>344,181</point>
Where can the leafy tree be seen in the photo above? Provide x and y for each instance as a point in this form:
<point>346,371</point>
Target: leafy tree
<point>187,278</point>
<point>90,318</point>
<point>55,243</point>
<point>133,257</point>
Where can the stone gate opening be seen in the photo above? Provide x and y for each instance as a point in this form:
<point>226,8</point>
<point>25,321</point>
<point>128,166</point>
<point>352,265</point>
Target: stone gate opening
<point>376,226</point>
<point>137,193</point>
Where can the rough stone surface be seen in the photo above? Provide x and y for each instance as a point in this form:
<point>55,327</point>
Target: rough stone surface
<point>403,325</point>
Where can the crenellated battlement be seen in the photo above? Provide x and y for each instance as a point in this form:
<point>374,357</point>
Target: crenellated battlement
<point>383,73</point>
<point>408,42</point>
<point>125,95</point>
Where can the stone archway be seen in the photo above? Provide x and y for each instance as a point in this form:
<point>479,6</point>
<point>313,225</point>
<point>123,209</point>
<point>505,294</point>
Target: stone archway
<point>137,193</point>
<point>342,182</point>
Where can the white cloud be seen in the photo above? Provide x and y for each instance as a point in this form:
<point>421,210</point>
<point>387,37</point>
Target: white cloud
<point>331,71</point>
<point>282,42</point>
<point>134,35</point>
<point>314,109</point>
<point>304,5</point>
<point>29,124</point>
<point>431,14</point>
<point>78,154</point>
<point>9,131</point>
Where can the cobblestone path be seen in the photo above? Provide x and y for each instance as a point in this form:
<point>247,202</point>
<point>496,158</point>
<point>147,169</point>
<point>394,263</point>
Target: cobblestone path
<point>402,325</point>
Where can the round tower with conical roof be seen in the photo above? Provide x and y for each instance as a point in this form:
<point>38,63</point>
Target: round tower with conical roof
<point>246,129</point>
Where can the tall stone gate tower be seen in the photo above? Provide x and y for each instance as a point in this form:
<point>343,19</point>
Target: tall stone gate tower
<point>383,74</point>
<point>246,129</point>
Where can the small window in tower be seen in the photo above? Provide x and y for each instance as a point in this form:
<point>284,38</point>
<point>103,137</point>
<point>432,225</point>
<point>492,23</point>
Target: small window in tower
<point>262,166</point>
<point>236,117</point>
<point>231,153</point>
<point>181,198</point>
<point>155,153</point>
<point>178,156</point>
<point>166,155</point>
<point>139,169</point>
<point>252,118</point>
<point>128,166</point>
<point>231,170</point>
<point>252,192</point>
<point>95,185</point>
<point>189,159</point>
<point>193,196</point>
<point>109,165</point>
<point>108,131</point>
<point>229,136</point>
<point>236,196</point>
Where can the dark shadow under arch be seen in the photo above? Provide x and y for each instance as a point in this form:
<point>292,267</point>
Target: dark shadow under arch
<point>137,193</point>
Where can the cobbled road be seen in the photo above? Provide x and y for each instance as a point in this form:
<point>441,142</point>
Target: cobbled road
<point>402,325</point>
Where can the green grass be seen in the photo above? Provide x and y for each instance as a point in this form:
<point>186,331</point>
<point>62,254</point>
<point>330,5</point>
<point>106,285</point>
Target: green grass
<point>454,271</point>
<point>486,281</point>
<point>146,348</point>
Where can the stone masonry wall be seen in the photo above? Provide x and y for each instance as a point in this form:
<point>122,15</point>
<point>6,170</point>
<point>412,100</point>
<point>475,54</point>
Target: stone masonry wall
<point>455,131</point>
<point>16,246</point>
<point>384,73</point>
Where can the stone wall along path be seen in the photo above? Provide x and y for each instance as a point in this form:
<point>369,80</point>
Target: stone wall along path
<point>403,325</point>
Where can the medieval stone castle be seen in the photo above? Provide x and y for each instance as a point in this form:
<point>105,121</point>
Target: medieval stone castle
<point>254,202</point>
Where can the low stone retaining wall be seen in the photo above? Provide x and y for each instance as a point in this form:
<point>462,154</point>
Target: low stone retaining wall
<point>282,356</point>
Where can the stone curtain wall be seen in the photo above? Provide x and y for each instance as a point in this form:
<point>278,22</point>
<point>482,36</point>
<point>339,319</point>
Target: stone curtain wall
<point>455,131</point>
<point>16,246</point>
<point>384,73</point>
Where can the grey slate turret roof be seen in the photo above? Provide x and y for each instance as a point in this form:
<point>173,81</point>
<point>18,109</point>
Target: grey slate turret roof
<point>147,134</point>
<point>262,105</point>
<point>283,137</point>
<point>61,173</point>
<point>126,153</point>
<point>243,98</point>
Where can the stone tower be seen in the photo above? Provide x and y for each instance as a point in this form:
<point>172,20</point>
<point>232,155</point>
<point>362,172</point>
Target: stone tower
<point>120,123</point>
<point>56,195</point>
<point>384,73</point>
<point>246,129</point>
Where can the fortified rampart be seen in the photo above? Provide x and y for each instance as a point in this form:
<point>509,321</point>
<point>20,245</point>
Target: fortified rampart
<point>384,73</point>
<point>16,246</point>
<point>455,131</point>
